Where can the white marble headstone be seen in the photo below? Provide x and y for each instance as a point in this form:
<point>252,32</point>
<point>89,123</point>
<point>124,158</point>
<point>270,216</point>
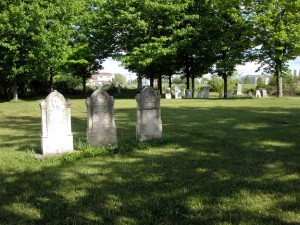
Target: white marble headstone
<point>229,94</point>
<point>148,125</point>
<point>57,136</point>
<point>258,94</point>
<point>178,93</point>
<point>101,128</point>
<point>264,93</point>
<point>239,89</point>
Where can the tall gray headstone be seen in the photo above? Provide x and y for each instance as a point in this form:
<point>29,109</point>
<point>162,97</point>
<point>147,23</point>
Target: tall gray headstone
<point>199,95</point>
<point>178,93</point>
<point>57,136</point>
<point>188,93</point>
<point>206,92</point>
<point>229,94</point>
<point>101,128</point>
<point>148,125</point>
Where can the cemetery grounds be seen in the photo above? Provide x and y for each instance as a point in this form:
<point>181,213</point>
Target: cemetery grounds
<point>234,161</point>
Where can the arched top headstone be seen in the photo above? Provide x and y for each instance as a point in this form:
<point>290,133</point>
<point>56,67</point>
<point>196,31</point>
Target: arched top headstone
<point>56,101</point>
<point>148,99</point>
<point>56,124</point>
<point>101,98</point>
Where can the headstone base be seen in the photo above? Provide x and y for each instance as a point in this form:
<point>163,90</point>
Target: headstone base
<point>57,145</point>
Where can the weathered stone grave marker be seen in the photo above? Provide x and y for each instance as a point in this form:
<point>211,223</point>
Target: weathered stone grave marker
<point>149,125</point>
<point>239,89</point>
<point>257,94</point>
<point>188,93</point>
<point>168,93</point>
<point>206,92</point>
<point>178,93</point>
<point>264,93</point>
<point>101,128</point>
<point>57,135</point>
<point>199,95</point>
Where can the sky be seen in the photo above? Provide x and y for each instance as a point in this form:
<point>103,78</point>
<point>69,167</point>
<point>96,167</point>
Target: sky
<point>112,66</point>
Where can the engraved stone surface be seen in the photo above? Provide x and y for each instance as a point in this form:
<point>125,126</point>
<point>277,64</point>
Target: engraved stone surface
<point>101,128</point>
<point>57,136</point>
<point>149,125</point>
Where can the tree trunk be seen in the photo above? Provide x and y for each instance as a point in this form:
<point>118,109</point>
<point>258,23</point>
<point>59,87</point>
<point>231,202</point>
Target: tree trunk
<point>84,84</point>
<point>151,80</point>
<point>51,79</point>
<point>278,74</point>
<point>140,84</point>
<point>170,81</point>
<point>159,83</point>
<point>193,86</point>
<point>224,76</point>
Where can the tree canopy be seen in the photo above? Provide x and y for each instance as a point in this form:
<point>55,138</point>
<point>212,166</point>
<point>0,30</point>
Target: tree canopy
<point>39,39</point>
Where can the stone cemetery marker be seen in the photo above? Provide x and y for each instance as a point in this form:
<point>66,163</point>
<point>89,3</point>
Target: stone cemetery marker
<point>199,95</point>
<point>206,92</point>
<point>258,94</point>
<point>264,93</point>
<point>148,125</point>
<point>239,89</point>
<point>178,92</point>
<point>229,94</point>
<point>101,128</point>
<point>188,93</point>
<point>250,95</point>
<point>168,93</point>
<point>57,136</point>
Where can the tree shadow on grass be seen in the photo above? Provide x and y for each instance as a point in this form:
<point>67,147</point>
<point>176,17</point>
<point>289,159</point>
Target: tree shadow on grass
<point>213,167</point>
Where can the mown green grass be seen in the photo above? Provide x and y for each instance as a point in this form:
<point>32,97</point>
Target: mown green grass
<point>232,161</point>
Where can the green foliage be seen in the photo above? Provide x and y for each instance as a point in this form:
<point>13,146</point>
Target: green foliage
<point>260,83</point>
<point>67,84</point>
<point>119,80</point>
<point>276,26</point>
<point>216,84</point>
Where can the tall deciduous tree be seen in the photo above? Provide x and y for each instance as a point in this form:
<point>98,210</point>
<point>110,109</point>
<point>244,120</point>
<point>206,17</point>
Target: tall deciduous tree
<point>34,39</point>
<point>230,33</point>
<point>277,26</point>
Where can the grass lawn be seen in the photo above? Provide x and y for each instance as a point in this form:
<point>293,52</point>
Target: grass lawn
<point>234,161</point>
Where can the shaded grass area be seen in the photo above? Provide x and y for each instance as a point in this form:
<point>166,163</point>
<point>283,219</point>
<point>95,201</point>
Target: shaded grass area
<point>220,162</point>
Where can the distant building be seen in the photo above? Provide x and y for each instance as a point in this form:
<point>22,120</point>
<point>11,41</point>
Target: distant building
<point>252,79</point>
<point>100,78</point>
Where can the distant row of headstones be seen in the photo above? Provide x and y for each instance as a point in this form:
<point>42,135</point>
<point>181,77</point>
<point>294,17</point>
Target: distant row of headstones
<point>205,93</point>
<point>57,134</point>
